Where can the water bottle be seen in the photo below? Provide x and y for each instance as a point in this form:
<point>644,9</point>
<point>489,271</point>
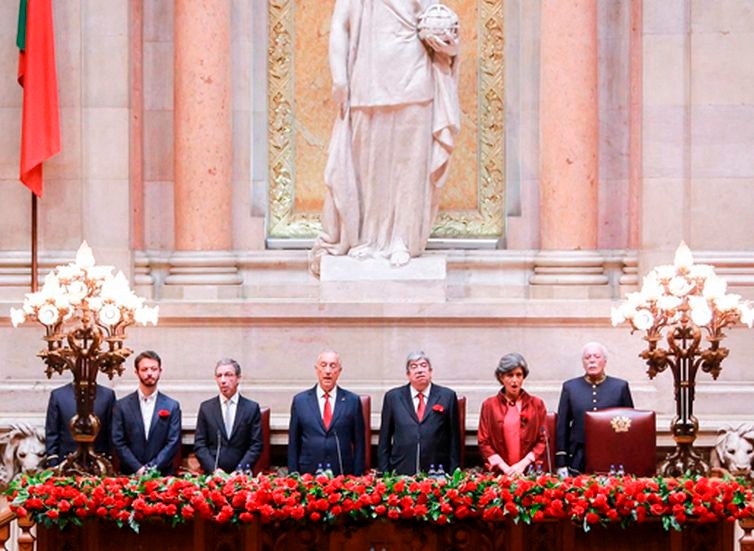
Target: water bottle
<point>612,471</point>
<point>621,471</point>
<point>319,469</point>
<point>440,471</point>
<point>432,472</point>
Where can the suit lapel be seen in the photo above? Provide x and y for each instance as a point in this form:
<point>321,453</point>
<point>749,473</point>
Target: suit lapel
<point>155,414</point>
<point>337,408</point>
<point>434,397</point>
<point>135,408</point>
<point>216,415</point>
<point>240,409</point>
<point>408,402</point>
<point>314,407</point>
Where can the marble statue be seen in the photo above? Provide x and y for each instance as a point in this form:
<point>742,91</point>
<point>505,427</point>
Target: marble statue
<point>398,115</point>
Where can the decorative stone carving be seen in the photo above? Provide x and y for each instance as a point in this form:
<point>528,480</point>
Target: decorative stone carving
<point>734,449</point>
<point>23,450</point>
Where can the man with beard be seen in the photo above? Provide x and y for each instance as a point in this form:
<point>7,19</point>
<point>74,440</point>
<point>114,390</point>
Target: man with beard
<point>229,427</point>
<point>592,392</point>
<point>147,423</point>
<point>327,425</point>
<point>420,426</point>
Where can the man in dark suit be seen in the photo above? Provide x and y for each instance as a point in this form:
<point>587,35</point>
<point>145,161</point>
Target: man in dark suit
<point>420,427</point>
<point>60,410</point>
<point>592,392</point>
<point>327,424</point>
<point>229,427</point>
<point>147,423</point>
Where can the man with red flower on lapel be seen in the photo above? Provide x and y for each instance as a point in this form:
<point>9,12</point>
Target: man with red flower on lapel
<point>420,426</point>
<point>147,423</point>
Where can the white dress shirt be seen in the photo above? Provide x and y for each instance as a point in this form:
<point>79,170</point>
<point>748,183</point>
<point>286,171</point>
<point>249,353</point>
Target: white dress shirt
<point>231,403</point>
<point>415,397</point>
<point>321,400</point>
<point>146,405</point>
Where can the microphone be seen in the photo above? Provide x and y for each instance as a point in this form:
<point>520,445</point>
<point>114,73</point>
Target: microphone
<point>337,448</point>
<point>217,454</point>
<point>547,448</point>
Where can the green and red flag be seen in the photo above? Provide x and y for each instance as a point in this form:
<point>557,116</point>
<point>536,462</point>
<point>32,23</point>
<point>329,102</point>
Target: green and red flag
<point>40,123</point>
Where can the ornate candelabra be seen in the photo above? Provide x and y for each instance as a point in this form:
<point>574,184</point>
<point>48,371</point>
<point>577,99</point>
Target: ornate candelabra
<point>85,311</point>
<point>686,304</point>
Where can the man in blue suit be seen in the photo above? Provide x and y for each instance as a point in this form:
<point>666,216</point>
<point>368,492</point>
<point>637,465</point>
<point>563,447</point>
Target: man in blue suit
<point>229,427</point>
<point>60,410</point>
<point>327,424</point>
<point>147,423</point>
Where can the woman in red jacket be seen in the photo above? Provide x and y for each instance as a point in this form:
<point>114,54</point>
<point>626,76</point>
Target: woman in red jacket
<point>511,425</point>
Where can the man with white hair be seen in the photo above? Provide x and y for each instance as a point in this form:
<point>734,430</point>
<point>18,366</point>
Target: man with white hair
<point>592,392</point>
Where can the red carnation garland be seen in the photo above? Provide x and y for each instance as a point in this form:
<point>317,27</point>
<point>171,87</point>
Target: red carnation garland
<point>586,500</point>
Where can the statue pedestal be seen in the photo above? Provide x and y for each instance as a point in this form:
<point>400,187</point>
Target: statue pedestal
<point>345,279</point>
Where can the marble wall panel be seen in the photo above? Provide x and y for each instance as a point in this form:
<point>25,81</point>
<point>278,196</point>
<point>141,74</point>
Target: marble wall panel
<point>106,82</point>
<point>665,16</point>
<point>722,74</point>
<point>722,141</point>
<point>158,20</point>
<point>158,76</point>
<point>158,215</point>
<point>720,214</point>
<point>68,50</point>
<point>722,16</point>
<point>10,142</point>
<point>665,69</point>
<point>60,215</point>
<point>105,143</point>
<point>158,145</point>
<point>664,141</point>
<point>15,223</point>
<point>663,209</point>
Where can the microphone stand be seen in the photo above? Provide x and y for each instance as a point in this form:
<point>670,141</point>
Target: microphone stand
<point>337,448</point>
<point>547,448</point>
<point>217,455</point>
<point>418,453</point>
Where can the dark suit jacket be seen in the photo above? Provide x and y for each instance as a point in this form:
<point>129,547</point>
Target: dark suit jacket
<point>61,409</point>
<point>310,445</point>
<point>576,398</point>
<point>435,440</point>
<point>240,450</point>
<point>158,448</point>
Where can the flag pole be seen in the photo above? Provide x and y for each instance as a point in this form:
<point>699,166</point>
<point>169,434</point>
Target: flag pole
<point>33,243</point>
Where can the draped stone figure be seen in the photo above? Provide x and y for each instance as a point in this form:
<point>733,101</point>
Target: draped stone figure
<point>398,115</point>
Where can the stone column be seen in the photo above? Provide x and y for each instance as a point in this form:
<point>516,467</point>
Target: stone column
<point>569,133</point>
<point>203,152</point>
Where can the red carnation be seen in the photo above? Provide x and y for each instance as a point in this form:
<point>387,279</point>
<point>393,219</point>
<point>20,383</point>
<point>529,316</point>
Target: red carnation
<point>438,408</point>
<point>163,413</point>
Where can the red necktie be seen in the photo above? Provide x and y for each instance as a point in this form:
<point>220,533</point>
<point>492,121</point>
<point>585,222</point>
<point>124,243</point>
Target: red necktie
<point>327,413</point>
<point>420,407</point>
